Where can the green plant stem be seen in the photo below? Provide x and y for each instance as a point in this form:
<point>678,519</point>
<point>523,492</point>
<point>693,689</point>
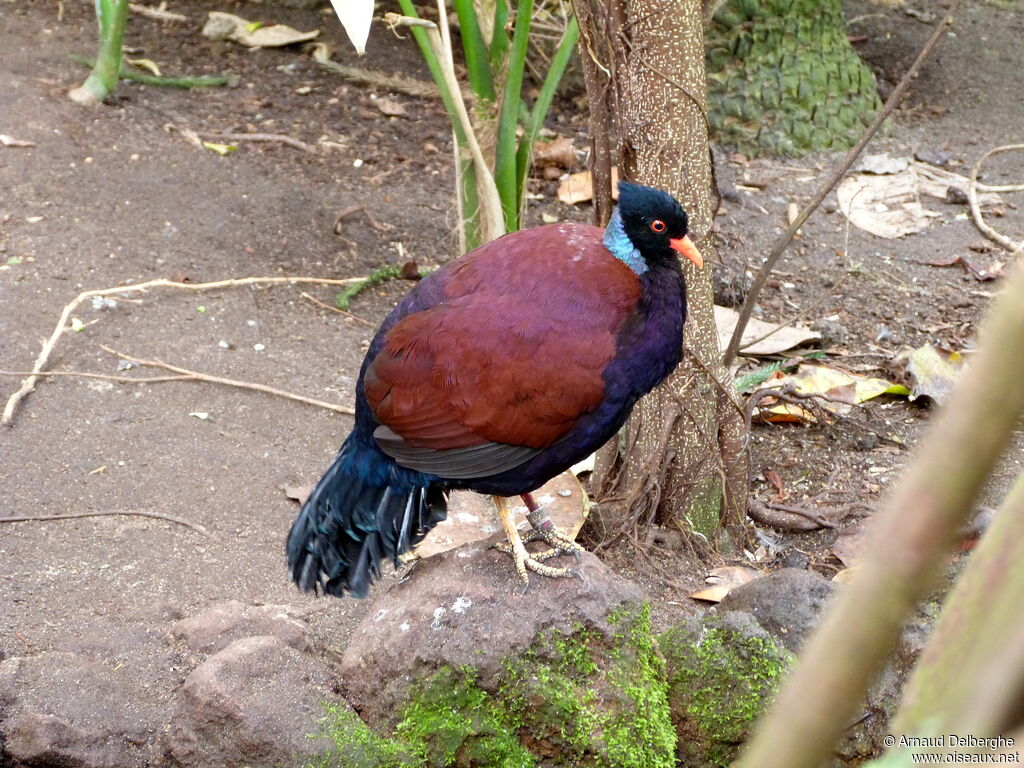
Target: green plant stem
<point>469,202</point>
<point>915,530</point>
<point>970,677</point>
<point>430,56</point>
<point>493,223</point>
<point>103,78</point>
<point>164,82</point>
<point>540,110</point>
<point>499,41</point>
<point>481,81</point>
<point>382,275</point>
<point>505,160</point>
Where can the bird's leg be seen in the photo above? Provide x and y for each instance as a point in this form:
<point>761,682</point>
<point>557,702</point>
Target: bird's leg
<point>547,532</point>
<point>515,547</point>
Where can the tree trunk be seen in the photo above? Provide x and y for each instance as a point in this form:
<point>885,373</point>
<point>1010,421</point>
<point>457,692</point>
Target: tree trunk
<point>668,466</point>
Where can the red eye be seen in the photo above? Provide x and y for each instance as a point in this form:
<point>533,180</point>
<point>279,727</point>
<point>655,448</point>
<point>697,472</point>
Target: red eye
<point>658,225</point>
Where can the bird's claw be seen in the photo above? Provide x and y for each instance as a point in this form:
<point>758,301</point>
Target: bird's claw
<point>526,561</point>
<point>556,539</point>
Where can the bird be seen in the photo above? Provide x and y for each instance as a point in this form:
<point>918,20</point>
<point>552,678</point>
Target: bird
<point>495,373</point>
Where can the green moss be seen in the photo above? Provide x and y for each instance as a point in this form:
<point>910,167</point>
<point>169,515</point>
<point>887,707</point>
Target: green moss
<point>356,746</point>
<point>719,683</point>
<point>581,699</point>
<point>451,720</point>
<point>640,674</point>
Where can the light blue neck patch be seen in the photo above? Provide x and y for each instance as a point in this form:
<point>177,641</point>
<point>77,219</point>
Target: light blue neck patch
<point>617,241</point>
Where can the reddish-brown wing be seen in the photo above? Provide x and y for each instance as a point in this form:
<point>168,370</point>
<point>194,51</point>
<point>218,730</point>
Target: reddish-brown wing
<point>515,352</point>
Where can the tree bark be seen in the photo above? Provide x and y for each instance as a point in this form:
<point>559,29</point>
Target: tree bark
<point>668,467</point>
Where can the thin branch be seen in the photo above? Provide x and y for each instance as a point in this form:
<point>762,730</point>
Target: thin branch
<point>418,88</point>
<point>349,315</point>
<point>160,14</point>
<point>972,199</point>
<point>135,513</point>
<point>232,382</point>
<point>917,527</point>
<point>803,314</point>
<point>44,355</point>
<point>833,178</point>
<point>275,137</point>
<point>103,376</point>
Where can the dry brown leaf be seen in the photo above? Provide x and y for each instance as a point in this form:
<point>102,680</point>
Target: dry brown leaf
<point>577,187</point>
<point>471,517</point>
<point>391,107</point>
<point>227,26</point>
<point>558,153</point>
<point>849,545</point>
<point>297,492</point>
<point>723,580</point>
<point>887,206</point>
<point>780,340</point>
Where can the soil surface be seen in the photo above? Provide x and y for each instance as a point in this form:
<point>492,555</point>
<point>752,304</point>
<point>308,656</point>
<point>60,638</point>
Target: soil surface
<point>117,195</point>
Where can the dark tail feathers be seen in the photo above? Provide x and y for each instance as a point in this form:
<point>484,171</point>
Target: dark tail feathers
<point>350,523</point>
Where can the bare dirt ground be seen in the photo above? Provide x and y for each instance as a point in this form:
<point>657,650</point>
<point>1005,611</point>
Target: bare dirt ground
<point>113,195</point>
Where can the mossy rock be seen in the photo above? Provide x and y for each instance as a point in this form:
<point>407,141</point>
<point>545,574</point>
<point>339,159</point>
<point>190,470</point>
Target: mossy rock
<point>583,698</point>
<point>783,78</point>
<point>723,671</point>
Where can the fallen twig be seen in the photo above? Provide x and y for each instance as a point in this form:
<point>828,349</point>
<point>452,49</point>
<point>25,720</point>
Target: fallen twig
<point>276,137</point>
<point>160,13</point>
<point>44,355</point>
<point>349,315</point>
<point>972,198</point>
<point>134,512</point>
<point>104,376</point>
<point>787,393</point>
<point>345,212</point>
<point>834,177</point>
<point>231,382</point>
<point>322,56</point>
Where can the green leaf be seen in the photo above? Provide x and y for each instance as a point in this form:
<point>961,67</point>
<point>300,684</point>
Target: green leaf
<point>505,160</point>
<point>478,63</point>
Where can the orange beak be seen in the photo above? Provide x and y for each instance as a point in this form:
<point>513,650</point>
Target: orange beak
<point>685,246</point>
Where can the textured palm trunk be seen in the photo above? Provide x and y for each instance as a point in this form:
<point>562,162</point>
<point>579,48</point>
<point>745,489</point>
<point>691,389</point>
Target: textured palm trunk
<point>676,460</point>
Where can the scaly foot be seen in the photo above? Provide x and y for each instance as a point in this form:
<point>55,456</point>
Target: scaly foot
<point>524,560</point>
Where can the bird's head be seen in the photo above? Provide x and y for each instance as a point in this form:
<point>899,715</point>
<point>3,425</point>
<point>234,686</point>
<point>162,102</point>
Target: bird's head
<point>654,223</point>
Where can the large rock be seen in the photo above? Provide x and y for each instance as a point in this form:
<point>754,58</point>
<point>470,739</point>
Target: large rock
<point>723,671</point>
<point>60,708</point>
<point>222,623</point>
<point>252,703</point>
<point>456,665</point>
<point>464,608</point>
<point>788,603</point>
